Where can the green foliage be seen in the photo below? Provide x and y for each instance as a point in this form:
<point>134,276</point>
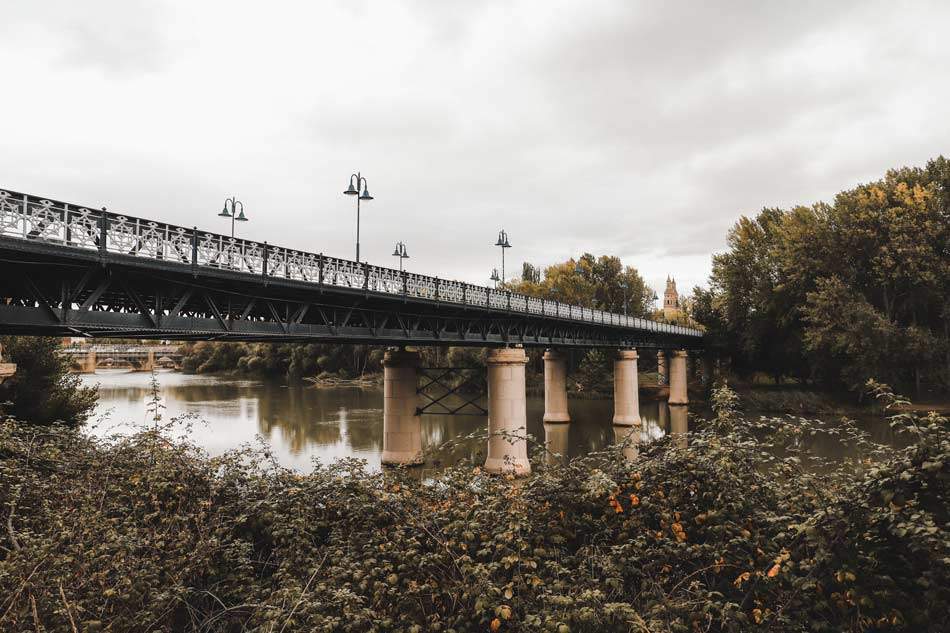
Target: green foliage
<point>595,373</point>
<point>292,361</point>
<point>743,529</point>
<point>836,292</point>
<point>42,390</point>
<point>601,282</point>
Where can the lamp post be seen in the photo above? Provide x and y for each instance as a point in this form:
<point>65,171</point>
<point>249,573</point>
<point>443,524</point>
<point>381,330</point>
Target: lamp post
<point>494,276</point>
<point>358,179</point>
<point>401,253</point>
<point>230,211</point>
<point>625,286</point>
<point>503,243</point>
<point>655,299</point>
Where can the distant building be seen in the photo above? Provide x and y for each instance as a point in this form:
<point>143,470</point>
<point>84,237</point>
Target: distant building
<point>671,301</point>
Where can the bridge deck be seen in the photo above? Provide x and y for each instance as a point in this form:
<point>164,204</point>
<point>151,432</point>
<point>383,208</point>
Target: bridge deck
<point>73,270</point>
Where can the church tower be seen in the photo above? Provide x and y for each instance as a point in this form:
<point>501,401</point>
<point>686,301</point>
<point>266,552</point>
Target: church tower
<point>671,301</point>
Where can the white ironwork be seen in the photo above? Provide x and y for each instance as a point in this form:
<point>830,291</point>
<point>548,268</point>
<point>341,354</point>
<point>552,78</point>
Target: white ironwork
<point>32,218</point>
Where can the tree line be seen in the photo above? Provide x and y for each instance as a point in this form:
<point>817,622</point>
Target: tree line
<point>834,293</point>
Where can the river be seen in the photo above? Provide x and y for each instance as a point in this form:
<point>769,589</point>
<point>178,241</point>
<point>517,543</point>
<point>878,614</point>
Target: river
<point>304,423</point>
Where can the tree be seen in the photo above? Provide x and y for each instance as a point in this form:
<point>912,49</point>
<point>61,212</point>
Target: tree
<point>841,292</point>
<point>602,283</point>
<point>42,391</point>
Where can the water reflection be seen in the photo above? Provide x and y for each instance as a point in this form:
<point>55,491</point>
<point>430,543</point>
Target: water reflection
<point>679,424</point>
<point>628,438</point>
<point>305,423</point>
<point>556,436</point>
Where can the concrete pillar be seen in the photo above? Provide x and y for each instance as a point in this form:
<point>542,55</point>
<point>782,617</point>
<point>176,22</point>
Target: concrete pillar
<point>679,425</point>
<point>629,440</point>
<point>662,375</point>
<point>555,387</point>
<point>507,412</point>
<point>402,428</point>
<point>150,363</point>
<point>90,367</point>
<point>678,378</point>
<point>626,389</point>
<point>555,441</point>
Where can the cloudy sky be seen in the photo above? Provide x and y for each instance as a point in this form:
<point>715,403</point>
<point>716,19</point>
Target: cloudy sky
<point>639,129</point>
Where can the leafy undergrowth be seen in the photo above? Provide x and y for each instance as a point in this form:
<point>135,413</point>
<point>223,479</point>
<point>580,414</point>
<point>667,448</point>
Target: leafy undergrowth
<point>733,532</point>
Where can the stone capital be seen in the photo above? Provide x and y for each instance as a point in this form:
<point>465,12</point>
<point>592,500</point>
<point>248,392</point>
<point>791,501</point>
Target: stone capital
<point>400,358</point>
<point>627,354</point>
<point>507,356</point>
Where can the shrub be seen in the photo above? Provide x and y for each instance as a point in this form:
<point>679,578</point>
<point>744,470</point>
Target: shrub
<point>42,390</point>
<point>740,530</point>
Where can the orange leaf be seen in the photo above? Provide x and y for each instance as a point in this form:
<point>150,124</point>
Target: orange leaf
<point>495,625</point>
<point>634,500</point>
<point>774,571</point>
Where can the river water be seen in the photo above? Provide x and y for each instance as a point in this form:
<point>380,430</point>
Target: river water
<point>304,423</point>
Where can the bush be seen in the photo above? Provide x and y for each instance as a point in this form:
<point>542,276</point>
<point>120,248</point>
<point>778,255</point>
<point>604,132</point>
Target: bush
<point>42,390</point>
<point>740,530</point>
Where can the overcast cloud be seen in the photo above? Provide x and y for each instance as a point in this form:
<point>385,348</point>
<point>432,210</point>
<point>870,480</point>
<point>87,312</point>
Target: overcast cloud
<point>639,129</point>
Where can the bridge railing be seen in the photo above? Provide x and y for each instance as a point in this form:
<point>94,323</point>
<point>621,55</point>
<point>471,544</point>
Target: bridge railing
<point>39,219</point>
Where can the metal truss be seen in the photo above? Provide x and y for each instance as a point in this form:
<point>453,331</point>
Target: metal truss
<point>462,399</point>
<point>433,308</point>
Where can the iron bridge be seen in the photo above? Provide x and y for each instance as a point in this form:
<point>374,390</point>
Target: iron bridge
<point>70,270</point>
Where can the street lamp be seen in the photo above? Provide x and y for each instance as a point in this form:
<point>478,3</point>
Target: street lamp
<point>352,190</point>
<point>655,299</point>
<point>503,243</point>
<point>494,276</point>
<point>625,286</point>
<point>230,211</point>
<point>401,253</point>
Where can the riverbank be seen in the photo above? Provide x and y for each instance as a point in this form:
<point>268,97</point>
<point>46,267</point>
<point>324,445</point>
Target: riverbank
<point>716,533</point>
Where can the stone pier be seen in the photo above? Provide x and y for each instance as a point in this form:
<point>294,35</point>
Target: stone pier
<point>626,389</point>
<point>89,366</point>
<point>555,387</point>
<point>402,428</point>
<point>149,364</point>
<point>507,412</point>
<point>678,378</point>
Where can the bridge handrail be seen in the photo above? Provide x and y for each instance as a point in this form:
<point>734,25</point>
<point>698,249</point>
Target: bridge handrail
<point>31,217</point>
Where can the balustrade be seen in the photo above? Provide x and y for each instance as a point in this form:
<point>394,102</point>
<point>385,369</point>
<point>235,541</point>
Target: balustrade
<point>31,218</point>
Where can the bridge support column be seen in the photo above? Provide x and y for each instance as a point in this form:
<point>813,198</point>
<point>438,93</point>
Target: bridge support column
<point>678,378</point>
<point>662,375</point>
<point>626,389</point>
<point>507,413</point>
<point>90,366</point>
<point>555,387</point>
<point>402,428</point>
<point>150,362</point>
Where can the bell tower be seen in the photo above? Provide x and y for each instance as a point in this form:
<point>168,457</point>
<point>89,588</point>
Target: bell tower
<point>671,300</point>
